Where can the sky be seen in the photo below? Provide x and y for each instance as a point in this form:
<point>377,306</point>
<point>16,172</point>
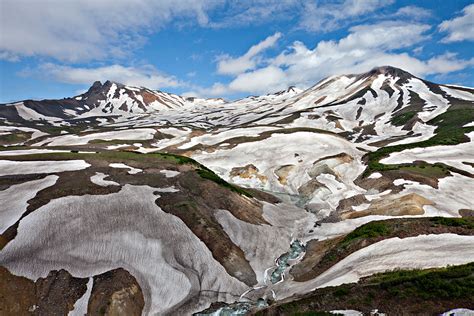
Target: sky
<point>231,49</point>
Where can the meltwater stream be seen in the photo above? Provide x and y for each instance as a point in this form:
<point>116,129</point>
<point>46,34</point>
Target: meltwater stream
<point>296,249</point>
<point>282,264</point>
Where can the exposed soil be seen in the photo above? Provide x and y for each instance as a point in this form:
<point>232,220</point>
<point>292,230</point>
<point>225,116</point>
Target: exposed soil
<point>195,202</point>
<point>428,292</point>
<point>247,172</point>
<point>53,295</point>
<point>410,204</point>
<point>321,255</point>
<point>116,293</point>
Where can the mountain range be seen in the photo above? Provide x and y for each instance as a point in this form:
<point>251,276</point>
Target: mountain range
<point>130,201</point>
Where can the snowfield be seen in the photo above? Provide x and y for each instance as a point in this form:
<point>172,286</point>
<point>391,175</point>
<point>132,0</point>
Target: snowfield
<point>162,260</point>
<point>9,167</point>
<point>421,252</point>
<point>15,199</point>
<point>129,134</point>
<point>99,177</point>
<point>308,148</point>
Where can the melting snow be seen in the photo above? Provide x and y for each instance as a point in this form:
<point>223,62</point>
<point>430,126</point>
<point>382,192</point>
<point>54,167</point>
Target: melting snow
<point>9,167</point>
<point>124,166</point>
<point>99,177</point>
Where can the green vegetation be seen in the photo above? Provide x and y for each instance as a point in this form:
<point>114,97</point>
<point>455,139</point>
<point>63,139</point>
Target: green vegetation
<point>342,291</point>
<point>403,118</point>
<point>448,283</point>
<point>366,231</point>
<point>369,230</point>
<point>454,221</point>
<point>449,131</point>
<point>14,138</point>
<point>124,156</point>
<point>402,289</point>
<point>209,175</point>
<point>437,170</point>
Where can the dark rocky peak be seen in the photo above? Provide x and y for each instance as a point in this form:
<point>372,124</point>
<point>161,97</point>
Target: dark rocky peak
<point>392,71</point>
<point>388,71</point>
<point>95,88</point>
<point>99,90</point>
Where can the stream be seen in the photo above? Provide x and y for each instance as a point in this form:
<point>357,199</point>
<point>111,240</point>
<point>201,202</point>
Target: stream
<point>296,251</point>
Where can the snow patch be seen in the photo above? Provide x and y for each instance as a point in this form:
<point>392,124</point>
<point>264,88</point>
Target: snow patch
<point>124,166</point>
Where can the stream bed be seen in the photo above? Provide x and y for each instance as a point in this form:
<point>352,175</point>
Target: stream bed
<point>296,249</point>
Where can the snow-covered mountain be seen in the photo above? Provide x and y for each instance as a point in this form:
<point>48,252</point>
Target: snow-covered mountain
<point>179,203</point>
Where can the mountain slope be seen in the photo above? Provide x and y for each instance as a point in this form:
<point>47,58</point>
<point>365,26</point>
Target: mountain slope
<point>252,201</point>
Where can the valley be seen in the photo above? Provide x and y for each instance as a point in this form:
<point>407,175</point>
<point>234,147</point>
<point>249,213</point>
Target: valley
<point>130,199</point>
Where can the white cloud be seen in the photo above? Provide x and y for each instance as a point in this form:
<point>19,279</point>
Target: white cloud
<point>232,66</point>
<point>260,81</point>
<point>146,76</point>
<point>365,47</point>
<point>460,28</point>
<point>414,12</point>
<point>335,15</point>
<point>87,29</point>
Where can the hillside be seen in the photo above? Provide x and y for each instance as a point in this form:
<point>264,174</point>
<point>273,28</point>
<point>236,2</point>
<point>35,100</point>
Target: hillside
<point>126,198</point>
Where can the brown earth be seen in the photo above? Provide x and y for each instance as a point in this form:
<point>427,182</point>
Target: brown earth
<point>247,172</point>
<point>402,298</point>
<point>116,293</point>
<point>321,255</point>
<point>53,295</point>
<point>195,203</point>
<point>282,173</point>
<point>410,204</point>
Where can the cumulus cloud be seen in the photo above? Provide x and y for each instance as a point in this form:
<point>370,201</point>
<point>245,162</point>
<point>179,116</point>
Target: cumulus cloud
<point>365,47</point>
<point>87,29</point>
<point>334,15</point>
<point>414,12</point>
<point>232,66</point>
<point>146,76</point>
<point>460,28</point>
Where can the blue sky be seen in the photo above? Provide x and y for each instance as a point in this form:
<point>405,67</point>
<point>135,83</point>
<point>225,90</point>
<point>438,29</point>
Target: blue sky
<point>211,48</point>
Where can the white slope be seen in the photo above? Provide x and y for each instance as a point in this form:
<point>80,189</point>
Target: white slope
<point>129,134</point>
<point>120,230</point>
<point>262,244</point>
<point>10,167</point>
<point>454,155</point>
<point>420,252</point>
<point>80,307</point>
<point>15,199</point>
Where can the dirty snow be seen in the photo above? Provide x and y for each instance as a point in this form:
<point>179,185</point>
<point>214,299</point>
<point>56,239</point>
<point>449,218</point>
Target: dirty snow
<point>420,252</point>
<point>9,167</point>
<point>80,307</point>
<point>162,258</point>
<point>451,155</point>
<point>14,200</point>
<point>30,152</point>
<point>124,166</point>
<point>170,173</point>
<point>99,177</point>
<point>129,134</point>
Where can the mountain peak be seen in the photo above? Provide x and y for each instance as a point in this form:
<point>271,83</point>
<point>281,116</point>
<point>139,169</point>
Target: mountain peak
<point>390,70</point>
